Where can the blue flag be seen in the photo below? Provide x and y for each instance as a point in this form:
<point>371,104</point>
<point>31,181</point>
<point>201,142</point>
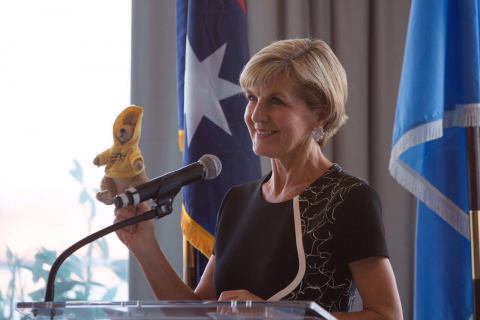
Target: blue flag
<point>439,95</point>
<point>211,52</point>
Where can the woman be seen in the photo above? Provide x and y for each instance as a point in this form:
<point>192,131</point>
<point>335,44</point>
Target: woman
<point>306,231</point>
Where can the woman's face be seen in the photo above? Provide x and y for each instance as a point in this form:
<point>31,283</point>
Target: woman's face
<point>279,120</point>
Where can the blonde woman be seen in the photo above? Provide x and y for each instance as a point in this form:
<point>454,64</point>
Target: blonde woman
<point>308,230</point>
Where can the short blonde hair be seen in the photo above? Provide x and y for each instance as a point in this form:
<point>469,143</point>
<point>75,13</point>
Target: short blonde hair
<point>312,66</point>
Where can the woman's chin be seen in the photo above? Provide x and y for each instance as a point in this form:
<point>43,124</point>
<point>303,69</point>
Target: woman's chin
<point>261,152</point>
<point>264,152</point>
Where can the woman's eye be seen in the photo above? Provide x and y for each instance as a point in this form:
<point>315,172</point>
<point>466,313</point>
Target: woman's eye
<point>276,101</point>
<point>251,98</point>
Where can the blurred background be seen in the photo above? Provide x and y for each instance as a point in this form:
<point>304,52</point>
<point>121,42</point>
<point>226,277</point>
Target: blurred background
<point>69,68</point>
<point>64,76</point>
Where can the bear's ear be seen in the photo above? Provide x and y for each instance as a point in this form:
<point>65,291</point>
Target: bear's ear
<point>128,118</point>
<point>133,120</point>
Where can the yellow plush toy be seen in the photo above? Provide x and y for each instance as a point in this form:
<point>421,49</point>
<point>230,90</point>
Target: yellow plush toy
<point>124,163</point>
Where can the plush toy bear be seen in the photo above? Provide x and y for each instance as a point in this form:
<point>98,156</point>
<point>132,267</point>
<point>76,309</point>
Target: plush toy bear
<point>124,163</point>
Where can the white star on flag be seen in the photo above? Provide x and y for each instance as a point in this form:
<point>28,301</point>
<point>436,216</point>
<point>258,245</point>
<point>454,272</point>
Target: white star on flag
<point>204,90</point>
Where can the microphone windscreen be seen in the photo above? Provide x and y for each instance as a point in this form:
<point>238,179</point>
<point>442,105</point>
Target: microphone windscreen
<point>212,165</point>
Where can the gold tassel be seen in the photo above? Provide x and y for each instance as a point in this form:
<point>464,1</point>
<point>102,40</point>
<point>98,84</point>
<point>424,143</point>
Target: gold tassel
<point>180,139</point>
<point>200,238</point>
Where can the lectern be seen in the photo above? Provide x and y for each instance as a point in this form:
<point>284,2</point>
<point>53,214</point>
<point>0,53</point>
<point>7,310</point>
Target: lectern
<point>168,186</point>
<point>177,310</point>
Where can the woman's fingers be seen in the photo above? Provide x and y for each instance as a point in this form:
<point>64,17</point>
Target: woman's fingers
<point>240,295</point>
<point>121,233</point>
<point>136,233</point>
<point>142,207</point>
<point>228,295</point>
<point>125,213</point>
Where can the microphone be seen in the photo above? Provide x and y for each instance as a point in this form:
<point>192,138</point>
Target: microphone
<point>207,167</point>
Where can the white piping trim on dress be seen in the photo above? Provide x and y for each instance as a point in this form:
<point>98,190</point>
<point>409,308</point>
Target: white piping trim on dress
<point>464,115</point>
<point>301,254</point>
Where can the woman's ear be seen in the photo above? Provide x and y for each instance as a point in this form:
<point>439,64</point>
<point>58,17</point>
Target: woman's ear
<point>320,116</point>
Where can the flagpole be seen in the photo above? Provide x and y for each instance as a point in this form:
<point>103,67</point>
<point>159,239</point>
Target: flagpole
<point>473,178</point>
<point>189,270</point>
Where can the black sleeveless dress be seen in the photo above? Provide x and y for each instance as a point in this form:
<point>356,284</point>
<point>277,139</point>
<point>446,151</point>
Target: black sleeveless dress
<point>298,249</point>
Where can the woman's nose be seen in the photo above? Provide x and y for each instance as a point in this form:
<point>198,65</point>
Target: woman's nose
<point>259,113</point>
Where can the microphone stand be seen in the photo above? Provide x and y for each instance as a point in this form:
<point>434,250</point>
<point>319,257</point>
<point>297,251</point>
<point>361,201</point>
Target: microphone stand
<point>162,208</point>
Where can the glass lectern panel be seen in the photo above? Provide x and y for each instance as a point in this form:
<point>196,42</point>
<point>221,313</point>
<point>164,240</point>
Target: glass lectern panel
<point>173,310</point>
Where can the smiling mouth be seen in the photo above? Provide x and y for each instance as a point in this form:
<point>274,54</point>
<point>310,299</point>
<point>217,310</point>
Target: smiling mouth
<point>264,133</point>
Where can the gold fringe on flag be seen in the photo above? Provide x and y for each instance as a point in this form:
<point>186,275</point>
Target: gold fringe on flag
<point>200,238</point>
<point>180,139</point>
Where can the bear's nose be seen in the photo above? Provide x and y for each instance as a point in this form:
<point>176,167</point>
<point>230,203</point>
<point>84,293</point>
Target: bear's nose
<point>122,130</point>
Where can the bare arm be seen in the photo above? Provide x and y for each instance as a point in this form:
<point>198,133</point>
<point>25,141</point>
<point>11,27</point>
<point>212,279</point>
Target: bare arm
<point>163,280</point>
<point>376,284</point>
<point>205,289</point>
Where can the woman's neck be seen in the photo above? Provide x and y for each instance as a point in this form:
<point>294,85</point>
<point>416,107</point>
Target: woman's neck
<point>293,173</point>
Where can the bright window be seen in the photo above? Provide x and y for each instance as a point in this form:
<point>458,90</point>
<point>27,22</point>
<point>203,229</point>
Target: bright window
<point>64,77</point>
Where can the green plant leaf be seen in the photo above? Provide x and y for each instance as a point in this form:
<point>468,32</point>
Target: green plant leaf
<point>80,296</point>
<point>43,256</point>
<point>110,294</point>
<point>71,265</point>
<point>37,271</point>
<point>77,173</point>
<point>9,254</point>
<point>93,283</point>
<point>120,268</point>
<point>94,209</point>
<point>103,245</point>
<point>46,256</point>
<point>73,258</point>
<point>37,295</point>
<point>65,286</point>
<point>11,284</point>
<point>84,196</point>
<point>17,262</point>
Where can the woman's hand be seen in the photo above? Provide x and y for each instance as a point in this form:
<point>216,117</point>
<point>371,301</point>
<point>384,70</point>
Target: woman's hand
<point>238,295</point>
<point>144,233</point>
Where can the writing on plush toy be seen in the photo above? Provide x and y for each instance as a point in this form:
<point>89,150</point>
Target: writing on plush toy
<point>117,156</point>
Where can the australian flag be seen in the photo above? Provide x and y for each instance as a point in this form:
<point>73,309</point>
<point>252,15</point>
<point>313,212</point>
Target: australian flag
<point>439,95</point>
<point>211,52</point>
